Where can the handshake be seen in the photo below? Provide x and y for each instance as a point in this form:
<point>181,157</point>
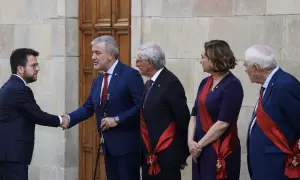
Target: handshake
<point>65,121</point>
<point>106,123</point>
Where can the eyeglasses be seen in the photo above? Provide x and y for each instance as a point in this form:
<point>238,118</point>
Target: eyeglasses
<point>35,66</point>
<point>140,60</point>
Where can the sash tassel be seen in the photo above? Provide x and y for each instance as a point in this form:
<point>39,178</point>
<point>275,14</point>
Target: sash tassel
<point>164,141</point>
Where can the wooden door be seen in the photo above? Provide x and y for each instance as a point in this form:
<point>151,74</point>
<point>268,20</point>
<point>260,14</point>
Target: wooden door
<point>96,18</point>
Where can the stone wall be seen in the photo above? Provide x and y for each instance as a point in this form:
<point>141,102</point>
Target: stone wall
<point>50,27</point>
<point>182,26</point>
<point>179,26</point>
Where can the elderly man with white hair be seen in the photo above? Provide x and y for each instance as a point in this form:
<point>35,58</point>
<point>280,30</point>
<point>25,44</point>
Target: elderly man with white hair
<point>164,117</point>
<point>274,131</point>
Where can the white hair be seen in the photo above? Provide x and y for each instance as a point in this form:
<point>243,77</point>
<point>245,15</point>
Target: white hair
<point>261,55</point>
<point>153,52</point>
<point>111,44</point>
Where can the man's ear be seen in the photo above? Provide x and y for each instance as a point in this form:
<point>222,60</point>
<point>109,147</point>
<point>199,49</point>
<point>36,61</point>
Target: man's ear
<point>20,69</point>
<point>111,56</point>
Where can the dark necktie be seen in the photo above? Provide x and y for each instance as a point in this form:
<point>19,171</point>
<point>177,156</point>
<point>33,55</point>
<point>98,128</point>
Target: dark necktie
<point>148,89</point>
<point>105,86</point>
<point>262,90</point>
<point>261,93</point>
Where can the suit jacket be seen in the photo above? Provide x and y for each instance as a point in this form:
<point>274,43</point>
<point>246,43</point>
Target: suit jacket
<point>125,88</point>
<point>167,103</point>
<point>19,114</point>
<point>281,102</point>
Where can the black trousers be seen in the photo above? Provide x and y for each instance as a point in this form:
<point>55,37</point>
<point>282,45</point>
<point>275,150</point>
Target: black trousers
<point>13,171</point>
<point>168,174</point>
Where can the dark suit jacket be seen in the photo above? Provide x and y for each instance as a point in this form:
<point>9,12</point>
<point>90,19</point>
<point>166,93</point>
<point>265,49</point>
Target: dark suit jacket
<point>167,103</point>
<point>281,102</point>
<point>19,114</point>
<point>125,88</point>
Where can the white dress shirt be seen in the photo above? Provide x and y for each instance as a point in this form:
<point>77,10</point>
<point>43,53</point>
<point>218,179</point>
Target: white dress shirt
<point>265,85</point>
<point>154,77</point>
<point>110,73</point>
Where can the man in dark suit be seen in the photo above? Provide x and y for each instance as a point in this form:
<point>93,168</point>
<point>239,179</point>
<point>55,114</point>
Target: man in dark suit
<point>164,117</point>
<point>121,128</point>
<point>274,131</point>
<point>19,114</point>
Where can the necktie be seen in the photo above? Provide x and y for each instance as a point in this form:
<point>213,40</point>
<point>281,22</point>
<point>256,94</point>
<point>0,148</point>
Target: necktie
<point>262,90</point>
<point>105,86</point>
<point>148,88</point>
<point>261,93</point>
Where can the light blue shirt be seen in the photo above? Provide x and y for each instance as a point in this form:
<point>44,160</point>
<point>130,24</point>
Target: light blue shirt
<point>265,85</point>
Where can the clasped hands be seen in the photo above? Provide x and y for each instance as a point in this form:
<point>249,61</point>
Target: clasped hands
<point>195,149</point>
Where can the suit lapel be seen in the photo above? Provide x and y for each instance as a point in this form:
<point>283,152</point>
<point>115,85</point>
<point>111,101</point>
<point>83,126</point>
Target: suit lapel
<point>114,79</point>
<point>157,84</point>
<point>98,90</point>
<point>270,86</point>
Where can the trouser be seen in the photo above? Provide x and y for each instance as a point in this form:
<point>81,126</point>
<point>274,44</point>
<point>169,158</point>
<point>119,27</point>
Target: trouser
<point>13,171</point>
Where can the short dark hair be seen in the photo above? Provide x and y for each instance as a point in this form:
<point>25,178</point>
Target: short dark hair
<point>19,57</point>
<point>220,55</point>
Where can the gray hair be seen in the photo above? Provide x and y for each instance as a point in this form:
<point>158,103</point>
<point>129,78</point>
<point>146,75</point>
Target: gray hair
<point>260,55</point>
<point>111,44</point>
<point>153,52</point>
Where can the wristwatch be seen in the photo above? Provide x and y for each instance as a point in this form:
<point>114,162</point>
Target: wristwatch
<point>117,118</point>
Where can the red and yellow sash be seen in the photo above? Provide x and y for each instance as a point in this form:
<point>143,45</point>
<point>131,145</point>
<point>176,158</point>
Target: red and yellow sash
<point>226,148</point>
<point>271,130</point>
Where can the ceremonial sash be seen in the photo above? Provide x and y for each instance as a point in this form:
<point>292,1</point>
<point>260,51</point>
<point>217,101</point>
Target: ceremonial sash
<point>226,148</point>
<point>164,141</point>
<point>271,130</point>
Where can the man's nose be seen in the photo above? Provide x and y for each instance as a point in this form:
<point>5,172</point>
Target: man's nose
<point>93,57</point>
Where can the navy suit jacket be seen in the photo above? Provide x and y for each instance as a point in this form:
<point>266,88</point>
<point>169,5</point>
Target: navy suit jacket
<point>19,114</point>
<point>126,89</point>
<point>281,102</point>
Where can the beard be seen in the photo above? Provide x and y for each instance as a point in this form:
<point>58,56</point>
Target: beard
<point>29,78</point>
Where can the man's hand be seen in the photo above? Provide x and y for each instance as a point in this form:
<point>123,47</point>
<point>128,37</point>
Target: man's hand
<point>107,123</point>
<point>65,122</point>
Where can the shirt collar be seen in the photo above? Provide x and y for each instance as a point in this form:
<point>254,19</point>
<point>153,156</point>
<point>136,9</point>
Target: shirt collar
<point>21,78</point>
<point>112,68</point>
<point>156,75</point>
<point>267,81</point>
